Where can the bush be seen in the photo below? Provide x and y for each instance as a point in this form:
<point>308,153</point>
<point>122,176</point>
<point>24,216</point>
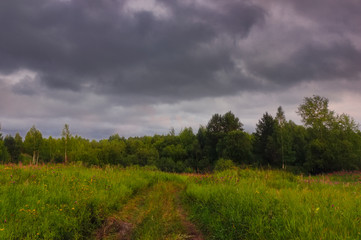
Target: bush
<point>223,164</point>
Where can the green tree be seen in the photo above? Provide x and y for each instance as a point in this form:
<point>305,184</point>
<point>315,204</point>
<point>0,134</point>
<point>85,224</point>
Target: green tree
<point>12,148</point>
<point>217,127</point>
<point>115,137</point>
<point>281,122</point>
<point>202,161</point>
<point>32,143</point>
<point>264,143</point>
<point>315,113</point>
<point>175,152</point>
<point>191,145</point>
<point>334,140</point>
<point>295,139</point>
<point>224,124</point>
<point>51,150</point>
<point>344,142</point>
<point>236,146</point>
<point>19,142</point>
<point>66,135</point>
<point>4,155</point>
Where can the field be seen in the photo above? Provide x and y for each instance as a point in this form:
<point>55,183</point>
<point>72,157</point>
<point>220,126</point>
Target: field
<point>249,204</point>
<point>74,202</point>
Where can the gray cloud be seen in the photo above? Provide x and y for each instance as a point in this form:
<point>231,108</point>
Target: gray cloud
<point>142,66</point>
<point>82,44</point>
<point>315,61</point>
<point>332,15</point>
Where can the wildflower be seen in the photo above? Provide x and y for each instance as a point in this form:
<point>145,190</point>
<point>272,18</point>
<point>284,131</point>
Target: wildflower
<point>2,229</point>
<point>60,209</point>
<point>317,210</point>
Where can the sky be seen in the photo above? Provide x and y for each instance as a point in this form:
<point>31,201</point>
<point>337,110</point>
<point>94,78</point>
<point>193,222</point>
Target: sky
<point>142,67</point>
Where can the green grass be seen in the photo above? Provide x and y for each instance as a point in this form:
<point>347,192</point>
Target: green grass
<point>252,204</point>
<point>74,202</point>
<point>152,214</point>
<point>65,202</point>
<point>162,220</point>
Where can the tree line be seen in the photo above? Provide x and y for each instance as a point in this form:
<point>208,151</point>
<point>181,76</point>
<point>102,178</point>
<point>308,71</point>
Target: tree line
<point>325,142</point>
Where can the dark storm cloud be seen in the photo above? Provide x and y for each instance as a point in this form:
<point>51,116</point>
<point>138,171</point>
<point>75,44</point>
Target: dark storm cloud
<point>27,86</point>
<point>99,46</point>
<point>333,15</point>
<point>308,41</point>
<point>315,61</point>
<point>139,66</point>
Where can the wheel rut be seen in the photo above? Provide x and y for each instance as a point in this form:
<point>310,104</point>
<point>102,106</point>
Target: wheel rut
<point>154,213</point>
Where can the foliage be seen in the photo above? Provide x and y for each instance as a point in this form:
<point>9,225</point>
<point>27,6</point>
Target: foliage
<point>217,128</point>
<point>223,164</point>
<point>4,155</point>
<point>327,142</point>
<point>66,135</point>
<point>314,111</point>
<point>13,147</point>
<point>237,146</point>
<point>264,144</point>
<point>32,143</point>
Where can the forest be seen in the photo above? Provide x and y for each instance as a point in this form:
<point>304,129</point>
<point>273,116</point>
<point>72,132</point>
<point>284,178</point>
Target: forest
<point>326,142</point>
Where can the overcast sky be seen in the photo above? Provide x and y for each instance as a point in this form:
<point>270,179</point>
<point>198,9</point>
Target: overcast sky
<point>140,67</point>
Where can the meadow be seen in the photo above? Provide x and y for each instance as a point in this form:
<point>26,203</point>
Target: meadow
<point>75,202</point>
<point>270,204</point>
<point>65,202</point>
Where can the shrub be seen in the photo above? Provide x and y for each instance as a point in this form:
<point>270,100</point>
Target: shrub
<point>223,164</point>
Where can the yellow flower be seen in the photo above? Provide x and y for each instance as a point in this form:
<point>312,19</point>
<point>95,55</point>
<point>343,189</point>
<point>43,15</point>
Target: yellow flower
<point>60,209</point>
<point>317,210</point>
<point>2,229</point>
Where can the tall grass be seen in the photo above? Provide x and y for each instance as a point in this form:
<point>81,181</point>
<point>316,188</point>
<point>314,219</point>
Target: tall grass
<point>253,204</point>
<point>57,202</point>
<point>70,202</point>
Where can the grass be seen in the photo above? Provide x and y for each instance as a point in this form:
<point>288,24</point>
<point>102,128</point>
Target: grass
<point>57,202</point>
<point>160,218</point>
<point>152,214</point>
<point>74,202</point>
<point>252,204</point>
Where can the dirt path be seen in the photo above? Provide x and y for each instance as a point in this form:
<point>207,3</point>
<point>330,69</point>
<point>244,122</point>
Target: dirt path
<point>155,213</point>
